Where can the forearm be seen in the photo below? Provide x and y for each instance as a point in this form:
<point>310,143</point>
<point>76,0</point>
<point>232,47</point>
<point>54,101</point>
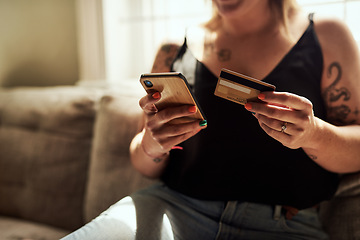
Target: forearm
<point>336,149</point>
<point>150,166</point>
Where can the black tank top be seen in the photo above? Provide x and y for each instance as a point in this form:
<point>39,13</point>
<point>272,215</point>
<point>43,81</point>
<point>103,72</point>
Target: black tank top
<point>233,158</point>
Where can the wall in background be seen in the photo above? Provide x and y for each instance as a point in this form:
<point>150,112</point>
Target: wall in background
<point>38,43</point>
<point>118,41</point>
<point>346,10</point>
<point>134,30</point>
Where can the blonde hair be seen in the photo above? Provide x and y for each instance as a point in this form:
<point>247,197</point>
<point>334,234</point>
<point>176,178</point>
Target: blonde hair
<point>281,8</point>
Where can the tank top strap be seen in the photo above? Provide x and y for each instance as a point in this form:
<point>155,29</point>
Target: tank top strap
<point>311,18</point>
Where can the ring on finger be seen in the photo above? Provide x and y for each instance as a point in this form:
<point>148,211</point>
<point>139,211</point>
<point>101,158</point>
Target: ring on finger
<point>284,127</point>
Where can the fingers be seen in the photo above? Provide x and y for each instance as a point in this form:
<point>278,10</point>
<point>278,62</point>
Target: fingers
<point>282,137</point>
<point>286,117</point>
<point>173,135</point>
<point>159,124</point>
<point>280,126</point>
<point>286,107</point>
<point>173,130</point>
<point>168,135</point>
<point>286,99</point>
<point>169,114</point>
<point>275,115</point>
<point>165,131</point>
<point>147,103</point>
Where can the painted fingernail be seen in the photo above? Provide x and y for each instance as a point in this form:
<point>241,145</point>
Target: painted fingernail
<point>203,123</point>
<point>248,106</point>
<point>177,148</point>
<point>156,95</point>
<point>192,109</point>
<point>261,96</point>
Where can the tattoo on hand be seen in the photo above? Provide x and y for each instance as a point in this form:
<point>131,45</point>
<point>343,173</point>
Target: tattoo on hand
<point>337,114</point>
<point>157,160</point>
<point>313,157</point>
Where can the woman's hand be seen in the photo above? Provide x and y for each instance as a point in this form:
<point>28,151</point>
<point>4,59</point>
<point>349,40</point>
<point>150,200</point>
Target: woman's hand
<point>286,117</point>
<point>160,135</point>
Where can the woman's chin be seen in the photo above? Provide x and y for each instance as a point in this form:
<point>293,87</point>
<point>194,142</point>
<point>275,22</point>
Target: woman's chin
<point>228,6</point>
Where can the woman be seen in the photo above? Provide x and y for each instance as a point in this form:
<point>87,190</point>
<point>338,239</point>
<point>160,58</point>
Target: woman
<point>256,172</point>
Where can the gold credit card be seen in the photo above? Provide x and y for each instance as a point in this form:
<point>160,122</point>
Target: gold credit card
<point>240,88</point>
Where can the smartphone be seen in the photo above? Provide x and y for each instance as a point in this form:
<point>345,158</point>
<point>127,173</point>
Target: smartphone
<point>175,91</point>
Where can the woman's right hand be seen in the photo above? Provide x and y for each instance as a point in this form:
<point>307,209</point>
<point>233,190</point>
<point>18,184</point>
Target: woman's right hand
<point>159,134</point>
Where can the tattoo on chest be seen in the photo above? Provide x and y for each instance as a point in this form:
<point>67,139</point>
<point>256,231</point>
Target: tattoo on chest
<point>224,55</point>
<point>335,97</point>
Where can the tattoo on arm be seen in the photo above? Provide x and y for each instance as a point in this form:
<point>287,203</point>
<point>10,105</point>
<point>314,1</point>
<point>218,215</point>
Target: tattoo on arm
<point>165,57</point>
<point>166,48</point>
<point>169,49</point>
<point>335,97</point>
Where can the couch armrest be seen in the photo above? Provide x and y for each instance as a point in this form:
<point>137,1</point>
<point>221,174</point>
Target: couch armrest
<point>111,175</point>
<point>341,215</point>
<point>45,143</point>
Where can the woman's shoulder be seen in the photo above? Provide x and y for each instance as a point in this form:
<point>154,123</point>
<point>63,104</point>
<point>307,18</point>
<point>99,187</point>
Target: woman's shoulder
<point>167,52</point>
<point>334,35</point>
<point>329,24</point>
<point>165,56</point>
<point>341,74</point>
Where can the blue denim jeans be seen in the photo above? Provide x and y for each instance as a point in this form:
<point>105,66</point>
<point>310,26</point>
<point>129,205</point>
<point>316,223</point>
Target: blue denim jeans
<point>161,213</point>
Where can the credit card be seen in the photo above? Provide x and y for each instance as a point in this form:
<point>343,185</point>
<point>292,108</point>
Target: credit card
<point>240,88</point>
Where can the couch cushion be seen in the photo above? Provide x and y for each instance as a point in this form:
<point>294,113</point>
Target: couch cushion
<point>45,141</point>
<point>111,175</point>
<point>349,185</point>
<point>15,229</point>
<point>341,215</point>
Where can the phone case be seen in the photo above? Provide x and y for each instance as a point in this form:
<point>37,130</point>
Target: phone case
<point>175,91</point>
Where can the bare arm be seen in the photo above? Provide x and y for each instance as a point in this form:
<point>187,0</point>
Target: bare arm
<point>334,144</point>
<point>149,150</point>
<point>152,166</point>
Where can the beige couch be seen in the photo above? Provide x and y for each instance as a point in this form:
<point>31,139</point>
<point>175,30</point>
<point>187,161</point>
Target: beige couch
<point>64,159</point>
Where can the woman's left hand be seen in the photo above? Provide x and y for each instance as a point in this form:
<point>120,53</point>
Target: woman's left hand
<point>286,117</point>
